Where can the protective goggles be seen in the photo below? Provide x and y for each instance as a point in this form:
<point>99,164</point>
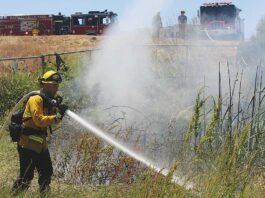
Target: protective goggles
<point>55,78</point>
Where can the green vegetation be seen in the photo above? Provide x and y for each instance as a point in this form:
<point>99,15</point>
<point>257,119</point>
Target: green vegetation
<point>13,87</point>
<point>222,166</point>
<point>222,153</point>
<point>90,150</point>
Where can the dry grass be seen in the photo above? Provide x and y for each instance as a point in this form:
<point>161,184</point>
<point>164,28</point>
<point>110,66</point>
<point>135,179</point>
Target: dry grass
<point>22,46</point>
<point>214,182</point>
<point>19,46</point>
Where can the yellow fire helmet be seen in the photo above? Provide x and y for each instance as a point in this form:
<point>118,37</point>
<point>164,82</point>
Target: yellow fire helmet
<point>51,77</point>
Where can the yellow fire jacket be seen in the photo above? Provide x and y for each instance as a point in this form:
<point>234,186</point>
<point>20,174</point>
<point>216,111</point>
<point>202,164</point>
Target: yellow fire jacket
<point>37,117</point>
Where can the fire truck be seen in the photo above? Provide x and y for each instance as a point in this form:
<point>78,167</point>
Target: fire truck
<point>216,21</point>
<point>91,23</point>
<point>221,20</point>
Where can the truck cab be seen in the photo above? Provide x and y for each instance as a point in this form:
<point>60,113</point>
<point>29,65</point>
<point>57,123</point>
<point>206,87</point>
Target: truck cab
<point>92,23</point>
<point>61,24</point>
<point>222,20</point>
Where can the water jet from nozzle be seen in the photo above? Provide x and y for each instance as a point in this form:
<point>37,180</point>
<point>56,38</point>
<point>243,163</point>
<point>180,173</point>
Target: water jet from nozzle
<point>104,136</point>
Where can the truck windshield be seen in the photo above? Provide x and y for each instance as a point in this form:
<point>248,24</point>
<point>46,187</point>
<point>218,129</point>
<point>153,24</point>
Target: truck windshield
<point>79,20</point>
<point>114,19</point>
<point>218,13</point>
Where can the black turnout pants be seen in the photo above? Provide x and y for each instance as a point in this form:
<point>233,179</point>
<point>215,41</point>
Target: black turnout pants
<point>28,161</point>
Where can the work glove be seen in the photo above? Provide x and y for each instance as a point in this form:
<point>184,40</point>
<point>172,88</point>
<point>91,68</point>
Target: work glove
<point>62,109</point>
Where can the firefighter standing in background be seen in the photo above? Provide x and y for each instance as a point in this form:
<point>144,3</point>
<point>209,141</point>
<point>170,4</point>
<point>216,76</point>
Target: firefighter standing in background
<point>32,146</point>
<point>156,25</point>
<point>182,20</point>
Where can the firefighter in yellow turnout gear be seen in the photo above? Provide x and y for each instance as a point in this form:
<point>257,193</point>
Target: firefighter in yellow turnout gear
<point>33,151</point>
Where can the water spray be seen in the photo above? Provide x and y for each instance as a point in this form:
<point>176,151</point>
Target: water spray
<point>104,136</point>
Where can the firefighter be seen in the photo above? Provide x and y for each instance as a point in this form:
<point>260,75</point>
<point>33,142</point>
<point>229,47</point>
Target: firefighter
<point>156,25</point>
<point>35,32</point>
<point>182,20</point>
<point>32,147</point>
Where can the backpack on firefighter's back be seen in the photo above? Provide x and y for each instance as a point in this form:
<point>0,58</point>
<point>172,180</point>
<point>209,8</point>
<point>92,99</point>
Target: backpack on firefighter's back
<point>16,127</point>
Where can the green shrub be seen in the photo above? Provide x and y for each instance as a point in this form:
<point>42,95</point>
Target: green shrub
<point>13,87</point>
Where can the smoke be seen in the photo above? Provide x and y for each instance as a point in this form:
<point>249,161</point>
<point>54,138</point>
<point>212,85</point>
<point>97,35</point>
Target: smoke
<point>122,70</point>
<point>145,93</point>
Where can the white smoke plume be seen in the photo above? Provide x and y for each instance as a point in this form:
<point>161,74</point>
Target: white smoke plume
<point>150,97</point>
<point>122,70</point>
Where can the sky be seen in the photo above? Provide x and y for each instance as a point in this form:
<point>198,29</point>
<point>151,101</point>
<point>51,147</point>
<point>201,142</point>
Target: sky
<point>252,11</point>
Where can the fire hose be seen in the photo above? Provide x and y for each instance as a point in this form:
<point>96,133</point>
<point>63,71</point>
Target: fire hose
<point>110,140</point>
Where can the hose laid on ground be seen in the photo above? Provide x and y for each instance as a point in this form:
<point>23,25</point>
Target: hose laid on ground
<point>208,35</point>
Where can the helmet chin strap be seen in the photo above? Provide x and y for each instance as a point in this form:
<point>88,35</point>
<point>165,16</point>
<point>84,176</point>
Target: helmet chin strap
<point>46,92</point>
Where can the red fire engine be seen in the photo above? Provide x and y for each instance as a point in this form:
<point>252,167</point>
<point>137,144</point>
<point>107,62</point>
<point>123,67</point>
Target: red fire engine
<point>92,23</point>
<point>222,20</point>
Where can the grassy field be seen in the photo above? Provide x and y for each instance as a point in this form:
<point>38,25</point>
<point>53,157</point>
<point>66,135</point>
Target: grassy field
<point>151,185</point>
<point>11,46</point>
<point>222,152</point>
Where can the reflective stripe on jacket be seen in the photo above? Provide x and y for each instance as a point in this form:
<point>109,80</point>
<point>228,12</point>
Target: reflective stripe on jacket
<point>40,119</point>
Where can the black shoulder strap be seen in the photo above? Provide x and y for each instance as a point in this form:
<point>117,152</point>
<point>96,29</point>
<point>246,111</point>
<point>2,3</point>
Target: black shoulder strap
<point>45,102</point>
<point>48,105</point>
<point>26,119</point>
<point>33,94</point>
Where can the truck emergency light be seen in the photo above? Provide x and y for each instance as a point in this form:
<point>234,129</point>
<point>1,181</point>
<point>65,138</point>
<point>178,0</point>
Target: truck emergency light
<point>217,3</point>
